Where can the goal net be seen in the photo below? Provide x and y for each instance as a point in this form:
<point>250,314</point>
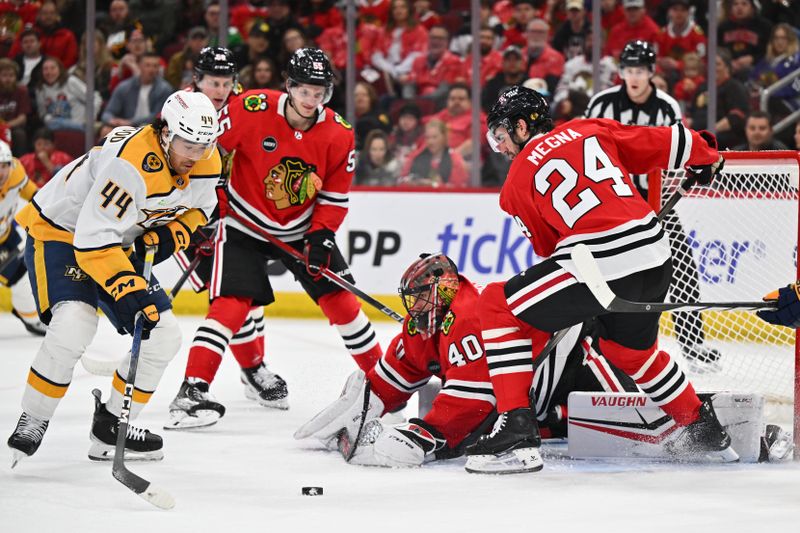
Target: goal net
<point>735,240</point>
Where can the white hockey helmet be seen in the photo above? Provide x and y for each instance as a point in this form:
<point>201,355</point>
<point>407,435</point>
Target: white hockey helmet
<point>5,153</point>
<point>192,125</point>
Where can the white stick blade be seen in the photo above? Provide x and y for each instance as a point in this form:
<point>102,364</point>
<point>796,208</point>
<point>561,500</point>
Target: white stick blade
<point>99,367</point>
<point>158,497</point>
<point>587,267</point>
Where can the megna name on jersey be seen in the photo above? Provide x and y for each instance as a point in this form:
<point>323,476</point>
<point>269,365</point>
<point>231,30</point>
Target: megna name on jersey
<point>546,145</point>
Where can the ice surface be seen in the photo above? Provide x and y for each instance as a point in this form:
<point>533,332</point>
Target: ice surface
<point>247,471</point>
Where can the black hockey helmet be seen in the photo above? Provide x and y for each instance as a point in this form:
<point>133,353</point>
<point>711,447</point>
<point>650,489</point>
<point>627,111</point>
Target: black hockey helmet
<point>215,61</point>
<point>310,66</point>
<point>638,54</point>
<point>518,102</point>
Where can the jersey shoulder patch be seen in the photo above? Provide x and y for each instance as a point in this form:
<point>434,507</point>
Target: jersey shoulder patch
<point>255,102</point>
<point>337,118</point>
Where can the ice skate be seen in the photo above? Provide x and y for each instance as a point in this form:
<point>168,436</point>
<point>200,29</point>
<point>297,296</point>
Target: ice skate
<point>26,438</point>
<point>512,446</point>
<point>265,387</point>
<point>702,359</point>
<point>31,323</point>
<point>140,444</point>
<point>194,407</point>
<point>703,440</point>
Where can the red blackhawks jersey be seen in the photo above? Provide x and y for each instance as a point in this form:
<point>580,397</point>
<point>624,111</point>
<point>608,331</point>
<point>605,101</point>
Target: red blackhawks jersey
<point>285,180</point>
<point>572,186</point>
<point>455,355</point>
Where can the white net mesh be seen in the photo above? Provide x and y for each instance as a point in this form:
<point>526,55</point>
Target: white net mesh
<point>735,240</point>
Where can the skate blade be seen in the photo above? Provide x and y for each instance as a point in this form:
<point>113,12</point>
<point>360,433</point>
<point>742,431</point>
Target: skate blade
<point>17,456</point>
<point>200,419</point>
<point>103,452</point>
<point>517,461</point>
<point>282,404</point>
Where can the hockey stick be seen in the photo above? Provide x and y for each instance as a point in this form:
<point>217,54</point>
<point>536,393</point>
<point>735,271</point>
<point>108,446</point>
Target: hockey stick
<point>347,446</point>
<point>107,367</point>
<point>587,267</point>
<point>332,276</point>
<point>154,495</point>
<point>684,187</point>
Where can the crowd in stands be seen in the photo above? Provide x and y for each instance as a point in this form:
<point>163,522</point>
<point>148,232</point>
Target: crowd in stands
<point>414,69</point>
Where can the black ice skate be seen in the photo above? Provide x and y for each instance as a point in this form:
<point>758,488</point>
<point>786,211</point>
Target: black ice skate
<point>512,446</point>
<point>33,324</point>
<point>194,407</point>
<point>27,437</point>
<point>140,444</point>
<point>265,387</point>
<point>703,440</point>
<point>702,359</point>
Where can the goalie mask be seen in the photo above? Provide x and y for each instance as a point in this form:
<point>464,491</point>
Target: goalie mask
<point>517,103</point>
<point>428,287</point>
<point>192,126</point>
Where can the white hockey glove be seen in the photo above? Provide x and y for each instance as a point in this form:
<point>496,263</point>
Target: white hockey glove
<point>400,445</point>
<point>355,403</point>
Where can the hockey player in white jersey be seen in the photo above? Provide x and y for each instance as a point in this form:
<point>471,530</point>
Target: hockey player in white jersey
<point>87,229</point>
<point>15,186</point>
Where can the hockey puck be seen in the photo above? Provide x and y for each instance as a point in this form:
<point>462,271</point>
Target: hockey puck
<point>312,491</point>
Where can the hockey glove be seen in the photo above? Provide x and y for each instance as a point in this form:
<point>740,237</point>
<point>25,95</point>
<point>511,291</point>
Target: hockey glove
<point>788,306</point>
<point>168,238</point>
<point>704,174</point>
<point>318,247</point>
<point>131,295</point>
<point>202,242</point>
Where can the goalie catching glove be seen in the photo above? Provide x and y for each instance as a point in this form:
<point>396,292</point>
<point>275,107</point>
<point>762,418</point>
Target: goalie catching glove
<point>402,445</point>
<point>787,312</point>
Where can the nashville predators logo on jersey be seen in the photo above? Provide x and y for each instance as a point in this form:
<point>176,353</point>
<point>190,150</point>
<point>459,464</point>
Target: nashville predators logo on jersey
<point>291,182</point>
<point>152,163</point>
<point>338,119</point>
<point>255,102</point>
<point>75,273</point>
<point>158,217</point>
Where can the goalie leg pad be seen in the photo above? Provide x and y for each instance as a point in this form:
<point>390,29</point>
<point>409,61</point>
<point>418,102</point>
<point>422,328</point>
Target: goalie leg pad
<point>345,413</point>
<point>72,327</point>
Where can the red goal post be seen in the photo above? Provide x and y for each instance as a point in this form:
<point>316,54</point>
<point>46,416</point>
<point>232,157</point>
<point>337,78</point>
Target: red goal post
<point>737,239</point>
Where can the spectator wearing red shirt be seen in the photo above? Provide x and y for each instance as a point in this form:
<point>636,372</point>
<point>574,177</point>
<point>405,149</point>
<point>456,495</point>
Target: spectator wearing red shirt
<point>693,77</point>
<point>318,15</point>
<point>491,60</point>
<point>373,11</point>
<point>434,164</point>
<point>42,164</point>
<point>15,105</point>
<point>611,14</point>
<point>425,15</point>
<point>433,73</point>
<point>514,34</point>
<point>57,41</point>
<point>244,15</point>
<point>14,16</point>
<point>636,26</point>
<point>745,34</point>
<point>680,36</point>
<point>544,61</point>
<point>401,42</point>
<point>458,117</point>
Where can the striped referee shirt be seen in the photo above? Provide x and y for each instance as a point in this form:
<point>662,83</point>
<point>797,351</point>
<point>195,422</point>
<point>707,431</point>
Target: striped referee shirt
<point>660,109</point>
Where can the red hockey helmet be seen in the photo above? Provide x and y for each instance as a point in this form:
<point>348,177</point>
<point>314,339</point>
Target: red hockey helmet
<point>428,287</point>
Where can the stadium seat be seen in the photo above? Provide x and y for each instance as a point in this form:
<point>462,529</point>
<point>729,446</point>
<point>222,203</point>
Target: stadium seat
<point>70,141</point>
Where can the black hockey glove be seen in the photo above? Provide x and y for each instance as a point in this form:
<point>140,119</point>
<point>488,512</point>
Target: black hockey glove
<point>704,174</point>
<point>788,307</point>
<point>202,242</point>
<point>318,247</point>
<point>167,237</point>
<point>131,296</point>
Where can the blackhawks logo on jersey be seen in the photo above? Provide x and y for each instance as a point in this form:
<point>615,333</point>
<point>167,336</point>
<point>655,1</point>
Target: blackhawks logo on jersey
<point>255,102</point>
<point>340,120</point>
<point>291,182</point>
<point>447,322</point>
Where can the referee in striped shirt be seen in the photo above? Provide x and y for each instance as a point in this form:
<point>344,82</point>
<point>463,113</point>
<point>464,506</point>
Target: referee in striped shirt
<point>637,102</point>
